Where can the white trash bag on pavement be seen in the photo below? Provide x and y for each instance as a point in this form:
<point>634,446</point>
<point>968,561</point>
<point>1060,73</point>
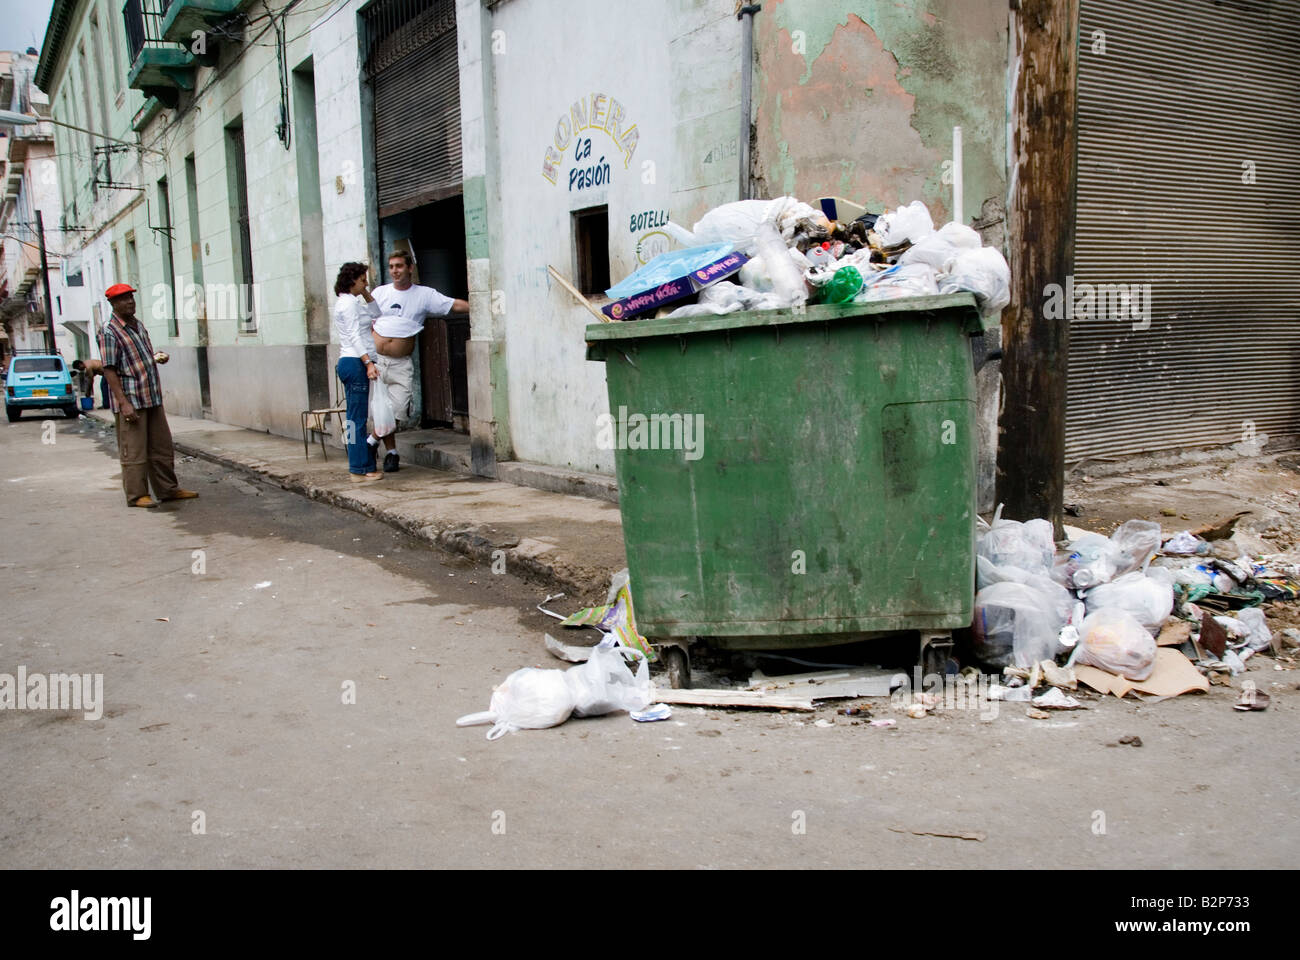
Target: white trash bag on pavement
<point>613,678</point>
<point>1115,641</point>
<point>529,698</point>
<point>1149,599</point>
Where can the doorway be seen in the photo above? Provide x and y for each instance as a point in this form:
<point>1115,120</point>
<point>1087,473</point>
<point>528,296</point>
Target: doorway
<point>435,235</point>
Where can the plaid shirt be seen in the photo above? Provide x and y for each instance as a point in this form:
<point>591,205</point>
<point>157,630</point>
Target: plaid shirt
<point>130,353</point>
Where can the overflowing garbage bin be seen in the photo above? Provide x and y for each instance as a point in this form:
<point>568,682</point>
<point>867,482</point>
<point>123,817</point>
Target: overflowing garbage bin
<point>797,477</point>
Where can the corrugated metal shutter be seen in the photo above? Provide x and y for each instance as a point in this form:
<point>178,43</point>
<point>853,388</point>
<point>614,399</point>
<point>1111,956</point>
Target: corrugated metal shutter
<point>1184,94</point>
<point>414,68</point>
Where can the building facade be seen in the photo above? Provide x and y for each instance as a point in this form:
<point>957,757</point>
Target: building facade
<point>31,201</point>
<point>220,160</point>
<point>233,158</point>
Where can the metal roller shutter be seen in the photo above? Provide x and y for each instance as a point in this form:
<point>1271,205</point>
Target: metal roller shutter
<point>413,66</point>
<point>1185,92</point>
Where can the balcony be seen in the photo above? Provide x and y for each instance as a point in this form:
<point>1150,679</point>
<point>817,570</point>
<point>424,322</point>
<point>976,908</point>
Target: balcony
<point>159,67</point>
<point>182,17</point>
<point>13,179</point>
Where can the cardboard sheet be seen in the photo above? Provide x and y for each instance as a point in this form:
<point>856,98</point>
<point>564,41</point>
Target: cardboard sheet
<point>1175,633</point>
<point>1173,674</point>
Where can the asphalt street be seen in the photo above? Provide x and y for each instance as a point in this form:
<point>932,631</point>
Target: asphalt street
<point>232,632</point>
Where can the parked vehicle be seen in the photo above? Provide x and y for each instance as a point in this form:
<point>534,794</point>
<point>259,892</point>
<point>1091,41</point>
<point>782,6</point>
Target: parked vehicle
<point>37,381</point>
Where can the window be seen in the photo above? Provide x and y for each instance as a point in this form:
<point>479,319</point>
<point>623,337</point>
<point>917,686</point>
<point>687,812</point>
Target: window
<point>240,232</point>
<point>132,262</point>
<point>97,63</point>
<point>38,365</point>
<point>192,211</point>
<point>169,269</point>
<point>591,249</point>
<point>115,44</point>
<point>58,305</point>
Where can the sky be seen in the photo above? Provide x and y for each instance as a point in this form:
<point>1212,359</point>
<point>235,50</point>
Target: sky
<point>22,24</point>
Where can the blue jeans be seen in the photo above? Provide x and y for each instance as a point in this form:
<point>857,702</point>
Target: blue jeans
<point>361,455</point>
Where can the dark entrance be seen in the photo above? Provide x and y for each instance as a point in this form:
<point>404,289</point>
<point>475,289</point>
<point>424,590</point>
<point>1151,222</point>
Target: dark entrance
<point>436,237</point>
<point>409,50</point>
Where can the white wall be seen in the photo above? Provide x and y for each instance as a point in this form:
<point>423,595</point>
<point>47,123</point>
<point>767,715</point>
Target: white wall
<point>643,56</point>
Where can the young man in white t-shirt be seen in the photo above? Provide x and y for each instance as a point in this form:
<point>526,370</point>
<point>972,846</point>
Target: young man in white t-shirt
<point>404,307</point>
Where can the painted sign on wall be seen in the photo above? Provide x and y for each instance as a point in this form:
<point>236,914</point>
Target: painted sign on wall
<point>599,112</point>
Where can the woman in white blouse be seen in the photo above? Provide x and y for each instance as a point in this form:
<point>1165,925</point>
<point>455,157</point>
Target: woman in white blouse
<point>354,311</point>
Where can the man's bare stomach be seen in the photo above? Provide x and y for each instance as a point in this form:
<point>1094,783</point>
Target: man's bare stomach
<point>394,346</point>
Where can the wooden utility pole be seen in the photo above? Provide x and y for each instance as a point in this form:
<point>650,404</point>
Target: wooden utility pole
<point>1031,443</point>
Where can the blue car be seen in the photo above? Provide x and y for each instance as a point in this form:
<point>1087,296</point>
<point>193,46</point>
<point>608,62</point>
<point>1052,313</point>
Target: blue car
<point>36,381</point>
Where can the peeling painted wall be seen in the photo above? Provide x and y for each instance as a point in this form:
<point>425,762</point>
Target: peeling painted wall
<point>858,98</point>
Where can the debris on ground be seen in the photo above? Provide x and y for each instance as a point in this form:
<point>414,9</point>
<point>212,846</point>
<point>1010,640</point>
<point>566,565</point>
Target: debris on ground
<point>615,616</point>
<point>614,677</point>
<point>732,698</point>
<point>566,652</point>
<point>1054,699</point>
<point>1252,699</point>
<point>978,835</point>
<point>1138,612</point>
<point>832,684</point>
<point>656,711</point>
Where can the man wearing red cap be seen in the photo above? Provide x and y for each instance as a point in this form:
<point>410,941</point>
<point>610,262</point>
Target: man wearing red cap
<point>144,441</point>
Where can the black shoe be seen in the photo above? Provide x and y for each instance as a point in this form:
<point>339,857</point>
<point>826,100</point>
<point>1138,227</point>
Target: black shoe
<point>390,462</point>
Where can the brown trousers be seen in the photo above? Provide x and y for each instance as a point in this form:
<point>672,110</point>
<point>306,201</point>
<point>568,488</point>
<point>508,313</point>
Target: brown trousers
<point>145,450</point>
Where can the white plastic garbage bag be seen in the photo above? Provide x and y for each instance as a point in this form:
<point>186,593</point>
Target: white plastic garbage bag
<point>1182,543</point>
<point>613,678</point>
<point>787,279</point>
<point>1019,623</point>
<point>738,222</point>
<point>911,223</point>
<point>527,699</point>
<point>1028,545</point>
<point>1148,599</point>
<point>1138,541</point>
<point>941,248</point>
<point>1260,636</point>
<point>381,409</point>
<point>902,280</point>
<point>1115,641</point>
<point>1093,559</point>
<point>983,272</point>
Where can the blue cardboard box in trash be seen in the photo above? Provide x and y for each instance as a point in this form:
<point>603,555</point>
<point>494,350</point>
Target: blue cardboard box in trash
<point>672,276</point>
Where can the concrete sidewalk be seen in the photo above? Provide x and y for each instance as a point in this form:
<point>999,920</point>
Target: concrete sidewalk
<point>568,543</point>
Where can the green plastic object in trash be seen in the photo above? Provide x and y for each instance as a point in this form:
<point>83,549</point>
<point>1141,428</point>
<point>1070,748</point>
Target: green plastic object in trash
<point>844,286</point>
<point>797,477</point>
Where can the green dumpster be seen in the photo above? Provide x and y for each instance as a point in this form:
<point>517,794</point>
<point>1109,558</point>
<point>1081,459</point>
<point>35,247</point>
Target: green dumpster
<point>797,478</point>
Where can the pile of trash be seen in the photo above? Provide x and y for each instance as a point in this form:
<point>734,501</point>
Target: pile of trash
<point>611,676</point>
<point>783,253</point>
<point>1134,611</point>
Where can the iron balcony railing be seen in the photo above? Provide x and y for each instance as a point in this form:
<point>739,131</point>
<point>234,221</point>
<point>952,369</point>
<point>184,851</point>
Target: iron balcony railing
<point>143,19</point>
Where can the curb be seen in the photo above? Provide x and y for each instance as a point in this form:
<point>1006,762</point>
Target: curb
<point>525,558</point>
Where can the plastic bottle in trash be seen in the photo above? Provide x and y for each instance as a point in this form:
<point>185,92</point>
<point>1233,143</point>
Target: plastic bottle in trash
<point>844,286</point>
<point>819,255</point>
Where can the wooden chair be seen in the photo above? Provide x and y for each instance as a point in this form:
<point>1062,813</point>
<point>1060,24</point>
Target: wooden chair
<point>315,420</point>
